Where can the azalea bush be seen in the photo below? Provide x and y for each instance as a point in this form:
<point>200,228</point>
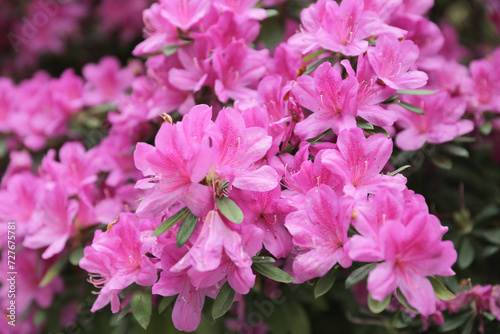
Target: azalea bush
<point>251,167</point>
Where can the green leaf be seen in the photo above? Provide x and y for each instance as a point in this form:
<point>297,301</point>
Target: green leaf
<point>317,138</point>
<point>170,49</point>
<point>315,64</point>
<point>186,229</point>
<point>455,321</point>
<point>171,221</point>
<point>441,292</point>
<point>455,150</point>
<point>263,259</point>
<point>223,301</point>
<point>271,13</point>
<point>492,236</point>
<point>468,326</point>
<point>465,139</point>
<point>54,271</point>
<point>378,129</point>
<point>487,212</point>
<point>488,316</point>
<point>391,100</point>
<point>410,107</point>
<point>313,55</point>
<point>359,274</point>
<point>325,283</point>
<point>399,170</point>
<point>486,128</point>
<point>300,323</point>
<point>230,210</point>
<point>376,306</point>
<point>40,317</point>
<point>272,31</point>
<point>76,255</point>
<point>403,301</point>
<point>141,306</point>
<point>363,124</point>
<point>466,253</point>
<point>441,161</point>
<point>117,317</point>
<point>3,147</point>
<point>273,272</point>
<point>416,91</point>
<point>165,301</point>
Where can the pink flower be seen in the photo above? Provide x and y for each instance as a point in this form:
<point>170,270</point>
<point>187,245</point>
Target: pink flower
<point>319,232</point>
<point>158,30</point>
<point>229,28</point>
<point>370,93</point>
<point>106,81</point>
<point>195,62</point>
<point>359,161</point>
<point>36,116</point>
<point>237,151</point>
<point>18,200</point>
<point>174,167</point>
<point>67,92</point>
<point>30,272</point>
<point>52,221</point>
<point>345,27</point>
<point>311,19</point>
<point>410,249</point>
<point>486,86</point>
<point>216,241</point>
<point>76,170</point>
<point>114,17</point>
<point>7,94</point>
<point>236,67</point>
<point>186,314</point>
<point>331,99</point>
<point>117,259</point>
<point>184,13</point>
<point>441,123</point>
<point>243,8</point>
<point>267,212</point>
<point>391,60</point>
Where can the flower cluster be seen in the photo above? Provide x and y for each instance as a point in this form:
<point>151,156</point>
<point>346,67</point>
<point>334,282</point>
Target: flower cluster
<point>268,160</point>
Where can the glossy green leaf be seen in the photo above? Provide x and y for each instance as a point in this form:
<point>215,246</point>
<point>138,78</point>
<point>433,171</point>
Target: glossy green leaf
<point>417,91</point>
<point>165,301</point>
<point>186,229</point>
<point>230,210</point>
<point>141,306</point>
<point>466,253</point>
<point>325,283</point>
<point>76,255</point>
<point>486,128</point>
<point>440,290</point>
<point>263,259</point>
<point>271,13</point>
<point>403,301</point>
<point>378,306</point>
<point>273,272</point>
<point>410,107</point>
<point>454,321</point>
<point>441,161</point>
<point>171,221</point>
<point>492,236</point>
<point>170,50</point>
<point>359,274</point>
<point>54,270</point>
<point>456,150</point>
<point>223,301</point>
